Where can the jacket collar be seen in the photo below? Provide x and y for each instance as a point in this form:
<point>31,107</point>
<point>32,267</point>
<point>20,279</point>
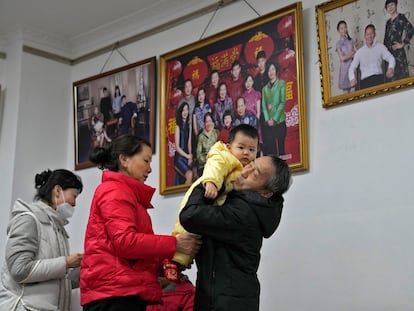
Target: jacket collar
<point>142,192</point>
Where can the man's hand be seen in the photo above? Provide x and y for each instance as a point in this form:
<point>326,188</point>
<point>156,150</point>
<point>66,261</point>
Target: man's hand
<point>390,73</point>
<point>188,243</point>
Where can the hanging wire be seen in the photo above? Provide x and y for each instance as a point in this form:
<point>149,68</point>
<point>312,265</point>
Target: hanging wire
<point>115,48</point>
<point>107,60</point>
<point>122,55</point>
<point>251,7</point>
<point>219,5</point>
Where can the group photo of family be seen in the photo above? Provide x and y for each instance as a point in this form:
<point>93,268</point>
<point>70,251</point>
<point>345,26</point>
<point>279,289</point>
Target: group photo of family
<point>248,79</point>
<point>369,44</point>
<point>114,104</point>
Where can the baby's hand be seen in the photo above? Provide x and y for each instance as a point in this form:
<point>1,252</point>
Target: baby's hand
<point>211,191</point>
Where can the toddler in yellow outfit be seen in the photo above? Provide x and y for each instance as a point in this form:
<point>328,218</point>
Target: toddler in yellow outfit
<point>224,164</point>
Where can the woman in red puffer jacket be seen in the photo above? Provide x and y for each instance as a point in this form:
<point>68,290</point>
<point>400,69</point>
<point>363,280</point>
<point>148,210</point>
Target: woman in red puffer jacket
<point>122,255</point>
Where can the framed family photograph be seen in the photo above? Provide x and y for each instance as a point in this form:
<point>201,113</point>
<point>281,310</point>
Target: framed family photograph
<point>249,74</point>
<point>121,101</point>
<point>364,48</point>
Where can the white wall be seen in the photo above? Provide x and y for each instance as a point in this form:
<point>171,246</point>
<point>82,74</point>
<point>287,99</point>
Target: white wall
<point>11,68</point>
<point>345,239</point>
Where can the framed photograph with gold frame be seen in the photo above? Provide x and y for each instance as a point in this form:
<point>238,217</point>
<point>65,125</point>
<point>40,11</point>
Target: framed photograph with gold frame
<point>230,58</point>
<point>117,102</point>
<point>362,50</point>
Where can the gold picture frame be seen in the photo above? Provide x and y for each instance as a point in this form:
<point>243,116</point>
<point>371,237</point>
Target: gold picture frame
<point>279,36</point>
<point>357,14</point>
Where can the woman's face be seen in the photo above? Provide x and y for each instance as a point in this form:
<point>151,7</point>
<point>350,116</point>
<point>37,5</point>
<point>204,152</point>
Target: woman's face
<point>201,96</point>
<point>391,8</point>
<point>342,29</point>
<point>208,124</point>
<point>137,166</point>
<point>184,113</point>
<point>272,73</point>
<point>249,83</point>
<point>69,196</point>
<point>227,121</point>
<point>223,91</point>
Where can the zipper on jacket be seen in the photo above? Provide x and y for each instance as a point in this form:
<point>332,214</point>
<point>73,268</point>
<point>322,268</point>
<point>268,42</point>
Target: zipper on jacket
<point>213,292</point>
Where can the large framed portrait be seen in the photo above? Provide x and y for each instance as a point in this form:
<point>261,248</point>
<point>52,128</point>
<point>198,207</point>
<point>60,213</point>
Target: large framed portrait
<point>120,101</point>
<point>364,48</point>
<point>250,74</point>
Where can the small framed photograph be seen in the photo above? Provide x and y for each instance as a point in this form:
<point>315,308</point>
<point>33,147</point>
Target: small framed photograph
<point>364,48</point>
<point>259,63</point>
<point>121,101</point>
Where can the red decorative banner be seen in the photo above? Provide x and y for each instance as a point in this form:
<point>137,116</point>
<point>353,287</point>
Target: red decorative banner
<point>222,60</point>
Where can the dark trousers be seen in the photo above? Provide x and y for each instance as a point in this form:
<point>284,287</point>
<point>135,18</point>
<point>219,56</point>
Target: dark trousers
<point>127,303</point>
<point>274,139</point>
<point>372,81</point>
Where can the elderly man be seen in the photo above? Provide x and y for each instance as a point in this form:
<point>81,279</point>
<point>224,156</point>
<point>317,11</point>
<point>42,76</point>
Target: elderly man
<point>370,59</point>
<point>233,233</point>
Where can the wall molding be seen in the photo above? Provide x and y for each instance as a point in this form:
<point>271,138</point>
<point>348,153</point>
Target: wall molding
<point>134,38</point>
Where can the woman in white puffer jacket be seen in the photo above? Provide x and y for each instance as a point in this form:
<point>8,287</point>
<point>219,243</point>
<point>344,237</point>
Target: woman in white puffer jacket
<point>38,272</point>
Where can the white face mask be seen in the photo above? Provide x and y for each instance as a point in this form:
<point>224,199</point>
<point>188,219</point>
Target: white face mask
<point>65,210</point>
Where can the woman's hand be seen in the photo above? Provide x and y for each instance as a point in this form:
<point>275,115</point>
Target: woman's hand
<point>74,260</point>
<point>397,45</point>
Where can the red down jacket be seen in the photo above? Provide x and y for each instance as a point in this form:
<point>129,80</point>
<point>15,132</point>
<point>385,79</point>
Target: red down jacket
<point>122,254</point>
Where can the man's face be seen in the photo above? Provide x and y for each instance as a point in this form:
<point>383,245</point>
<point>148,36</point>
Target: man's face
<point>241,107</point>
<point>215,79</point>
<point>256,175</point>
<point>369,36</point>
<point>235,72</point>
<point>244,148</point>
<point>261,63</point>
<point>188,88</point>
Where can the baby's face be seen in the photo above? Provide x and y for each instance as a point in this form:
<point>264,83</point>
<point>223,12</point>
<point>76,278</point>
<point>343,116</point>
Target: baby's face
<point>244,148</point>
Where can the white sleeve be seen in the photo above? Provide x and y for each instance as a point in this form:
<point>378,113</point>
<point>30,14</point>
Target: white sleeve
<point>386,55</point>
<point>353,67</point>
